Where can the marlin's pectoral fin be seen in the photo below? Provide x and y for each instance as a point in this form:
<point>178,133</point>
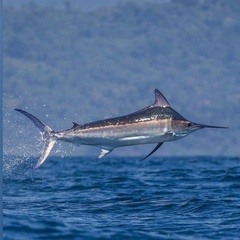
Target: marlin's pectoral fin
<point>104,152</point>
<point>154,150</point>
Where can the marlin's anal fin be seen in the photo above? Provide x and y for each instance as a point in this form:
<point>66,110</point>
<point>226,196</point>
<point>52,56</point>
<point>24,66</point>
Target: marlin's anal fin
<point>104,152</point>
<point>154,150</point>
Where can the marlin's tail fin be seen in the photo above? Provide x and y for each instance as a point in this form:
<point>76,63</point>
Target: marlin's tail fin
<point>47,133</point>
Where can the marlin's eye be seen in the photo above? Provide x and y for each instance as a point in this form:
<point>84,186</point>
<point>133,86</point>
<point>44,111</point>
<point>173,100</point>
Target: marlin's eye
<point>189,124</point>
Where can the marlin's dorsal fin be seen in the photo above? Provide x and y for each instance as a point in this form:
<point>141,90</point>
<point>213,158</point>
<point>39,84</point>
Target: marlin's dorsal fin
<point>76,125</point>
<point>160,100</point>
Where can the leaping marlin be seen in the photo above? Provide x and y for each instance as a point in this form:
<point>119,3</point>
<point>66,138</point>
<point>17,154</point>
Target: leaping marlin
<point>157,123</point>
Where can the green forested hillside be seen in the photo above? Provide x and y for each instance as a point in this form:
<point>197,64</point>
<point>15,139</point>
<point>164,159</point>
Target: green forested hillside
<point>68,65</point>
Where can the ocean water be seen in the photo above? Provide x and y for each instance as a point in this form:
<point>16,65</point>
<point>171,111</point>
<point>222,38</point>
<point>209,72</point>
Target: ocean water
<point>121,198</point>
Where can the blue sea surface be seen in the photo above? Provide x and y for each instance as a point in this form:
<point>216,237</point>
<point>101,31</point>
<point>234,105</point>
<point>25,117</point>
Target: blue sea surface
<point>121,198</point>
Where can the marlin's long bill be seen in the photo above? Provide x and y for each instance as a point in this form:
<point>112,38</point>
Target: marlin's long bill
<point>157,123</point>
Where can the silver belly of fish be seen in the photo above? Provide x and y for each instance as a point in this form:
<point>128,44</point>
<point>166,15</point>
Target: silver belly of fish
<point>121,135</point>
